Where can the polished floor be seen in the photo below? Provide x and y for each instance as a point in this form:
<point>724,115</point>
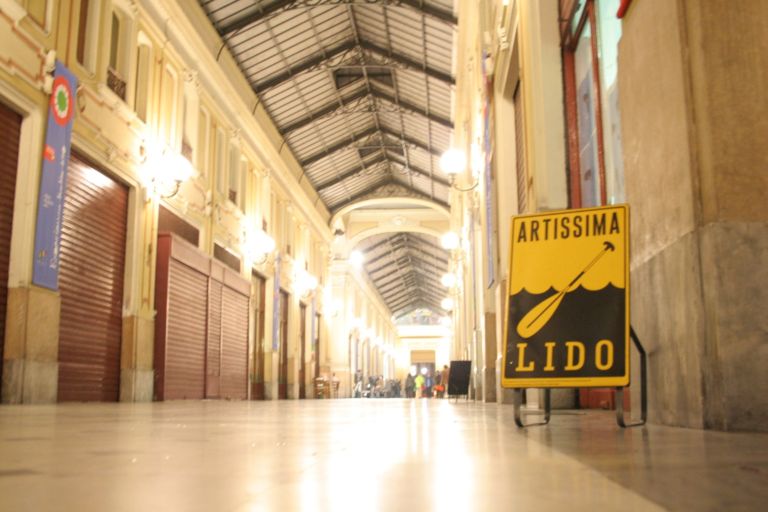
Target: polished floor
<point>364,455</point>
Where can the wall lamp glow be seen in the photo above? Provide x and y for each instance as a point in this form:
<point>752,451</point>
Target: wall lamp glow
<point>259,246</point>
<point>306,283</point>
<point>166,170</point>
<point>447,304</point>
<point>356,259</point>
<point>449,280</point>
<point>454,162</point>
<point>450,241</point>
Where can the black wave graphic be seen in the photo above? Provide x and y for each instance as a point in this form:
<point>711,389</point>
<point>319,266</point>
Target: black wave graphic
<point>583,315</point>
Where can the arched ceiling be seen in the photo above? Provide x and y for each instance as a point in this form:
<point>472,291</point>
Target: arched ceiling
<point>361,91</point>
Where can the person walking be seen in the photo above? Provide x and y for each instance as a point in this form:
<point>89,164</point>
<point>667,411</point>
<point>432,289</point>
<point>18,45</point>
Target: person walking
<point>444,376</point>
<point>419,384</point>
<point>409,386</point>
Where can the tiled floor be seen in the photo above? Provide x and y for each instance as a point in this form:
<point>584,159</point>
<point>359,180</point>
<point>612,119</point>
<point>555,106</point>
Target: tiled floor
<point>363,455</point>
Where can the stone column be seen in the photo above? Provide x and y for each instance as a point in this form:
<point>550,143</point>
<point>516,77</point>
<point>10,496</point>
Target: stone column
<point>694,123</point>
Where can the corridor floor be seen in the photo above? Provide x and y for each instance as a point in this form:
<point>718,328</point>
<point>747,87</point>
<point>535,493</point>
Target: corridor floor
<point>363,455</point>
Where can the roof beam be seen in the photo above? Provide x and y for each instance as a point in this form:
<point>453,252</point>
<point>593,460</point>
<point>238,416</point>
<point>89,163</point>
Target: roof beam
<point>413,108</point>
<point>414,257</point>
<point>348,174</point>
<point>386,240</point>
<point>413,142</point>
<point>310,63</point>
<point>418,170</point>
<point>334,106</point>
<point>328,109</point>
<point>266,10</point>
<point>355,137</point>
<point>389,181</point>
<point>259,14</point>
<point>409,63</point>
<point>402,305</point>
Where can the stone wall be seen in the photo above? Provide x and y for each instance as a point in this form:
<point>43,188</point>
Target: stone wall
<point>694,119</point>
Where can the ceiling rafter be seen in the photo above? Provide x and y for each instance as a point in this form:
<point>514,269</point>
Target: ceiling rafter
<point>349,174</point>
<point>305,65</point>
<point>374,188</point>
<point>330,108</point>
<point>409,63</point>
<point>410,141</point>
<point>418,170</point>
<point>362,93</point>
<point>265,10</point>
<point>347,142</point>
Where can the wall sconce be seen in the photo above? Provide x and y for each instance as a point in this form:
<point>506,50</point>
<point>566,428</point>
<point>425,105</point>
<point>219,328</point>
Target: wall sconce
<point>449,280</point>
<point>447,304</point>
<point>305,283</point>
<point>454,162</point>
<point>356,259</point>
<point>259,245</point>
<point>450,241</point>
<point>165,171</point>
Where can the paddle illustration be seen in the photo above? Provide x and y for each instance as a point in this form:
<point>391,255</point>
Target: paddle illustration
<point>540,314</point>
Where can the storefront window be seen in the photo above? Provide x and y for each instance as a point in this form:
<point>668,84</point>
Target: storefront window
<point>609,34</point>
<point>591,82</point>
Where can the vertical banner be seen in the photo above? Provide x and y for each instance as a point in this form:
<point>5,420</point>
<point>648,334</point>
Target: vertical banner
<point>276,307</point>
<point>314,326</point>
<point>53,179</point>
<point>567,321</point>
<point>488,161</point>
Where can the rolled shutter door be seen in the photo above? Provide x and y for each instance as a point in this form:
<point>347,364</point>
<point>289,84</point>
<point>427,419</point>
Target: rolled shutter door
<point>10,129</point>
<point>91,278</point>
<point>234,356</point>
<point>186,327</point>
<point>213,348</point>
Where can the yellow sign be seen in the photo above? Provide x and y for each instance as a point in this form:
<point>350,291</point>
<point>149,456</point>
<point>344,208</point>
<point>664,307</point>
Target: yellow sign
<point>567,321</point>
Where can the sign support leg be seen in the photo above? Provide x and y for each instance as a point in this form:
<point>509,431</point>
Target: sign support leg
<point>519,412</point>
<point>643,388</point>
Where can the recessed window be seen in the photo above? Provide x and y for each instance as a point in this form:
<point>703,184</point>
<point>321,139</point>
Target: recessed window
<point>118,47</point>
<point>141,95</point>
<point>87,33</point>
<point>346,76</point>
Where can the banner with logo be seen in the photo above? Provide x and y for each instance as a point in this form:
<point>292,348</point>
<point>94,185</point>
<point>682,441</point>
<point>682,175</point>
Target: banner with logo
<point>276,306</point>
<point>53,179</point>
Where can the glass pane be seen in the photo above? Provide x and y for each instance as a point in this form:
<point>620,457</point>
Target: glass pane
<point>577,14</point>
<point>587,126</point>
<point>114,42</point>
<point>609,34</point>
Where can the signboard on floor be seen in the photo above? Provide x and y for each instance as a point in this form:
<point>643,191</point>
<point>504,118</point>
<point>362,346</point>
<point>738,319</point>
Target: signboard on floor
<point>567,322</point>
<point>458,378</point>
<point>53,179</point>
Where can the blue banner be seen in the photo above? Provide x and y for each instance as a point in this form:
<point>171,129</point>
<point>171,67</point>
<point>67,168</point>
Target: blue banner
<point>53,179</point>
<point>276,307</point>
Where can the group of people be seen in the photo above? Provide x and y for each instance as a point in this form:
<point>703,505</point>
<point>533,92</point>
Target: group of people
<point>421,384</point>
<point>425,385</point>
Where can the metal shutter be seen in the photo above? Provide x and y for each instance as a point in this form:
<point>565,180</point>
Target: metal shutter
<point>91,284</point>
<point>234,347</point>
<point>185,341</point>
<point>9,154</point>
<point>213,348</point>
